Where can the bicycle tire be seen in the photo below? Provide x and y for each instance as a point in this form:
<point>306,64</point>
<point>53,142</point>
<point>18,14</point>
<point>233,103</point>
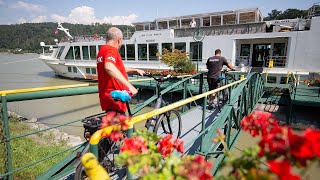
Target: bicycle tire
<point>166,127</point>
<point>105,146</point>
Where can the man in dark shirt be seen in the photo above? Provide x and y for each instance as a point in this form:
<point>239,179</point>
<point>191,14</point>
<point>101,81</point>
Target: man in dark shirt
<point>214,66</point>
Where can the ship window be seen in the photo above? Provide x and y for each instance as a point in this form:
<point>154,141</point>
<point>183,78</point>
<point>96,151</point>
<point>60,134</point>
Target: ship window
<point>206,21</point>
<point>142,52</point>
<point>247,17</point>
<point>152,26</point>
<point>194,51</point>
<point>69,69</point>
<point>163,25</point>
<point>279,49</point>
<point>130,52</point>
<point>77,52</point>
<point>85,52</point>
<point>180,46</point>
<point>60,52</point>
<point>88,71</point>
<point>215,20</point>
<point>70,53</point>
<point>173,24</point>
<point>245,50</point>
<point>153,49</point>
<point>185,23</point>
<point>93,53</point>
<point>146,27</point>
<point>139,27</point>
<point>229,19</point>
<point>93,71</point>
<point>75,69</point>
<point>167,46</point>
<point>122,52</point>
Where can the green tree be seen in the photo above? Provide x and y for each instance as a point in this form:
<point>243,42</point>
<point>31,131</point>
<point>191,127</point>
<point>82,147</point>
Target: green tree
<point>27,36</point>
<point>273,15</point>
<point>287,14</point>
<point>293,13</point>
<point>178,60</point>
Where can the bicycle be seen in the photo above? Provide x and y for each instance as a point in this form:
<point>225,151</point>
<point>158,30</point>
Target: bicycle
<point>170,122</point>
<point>223,95</point>
<point>107,149</point>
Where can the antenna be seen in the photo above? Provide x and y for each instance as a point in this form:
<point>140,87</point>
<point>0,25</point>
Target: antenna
<point>157,13</point>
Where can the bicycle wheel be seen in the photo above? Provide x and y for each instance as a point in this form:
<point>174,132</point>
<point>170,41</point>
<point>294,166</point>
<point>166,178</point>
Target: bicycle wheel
<point>106,151</point>
<point>169,123</point>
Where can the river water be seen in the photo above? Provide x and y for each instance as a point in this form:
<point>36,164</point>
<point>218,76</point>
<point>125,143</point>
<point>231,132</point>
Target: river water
<point>28,71</point>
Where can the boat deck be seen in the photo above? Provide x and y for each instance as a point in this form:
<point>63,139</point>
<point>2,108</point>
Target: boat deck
<point>307,96</point>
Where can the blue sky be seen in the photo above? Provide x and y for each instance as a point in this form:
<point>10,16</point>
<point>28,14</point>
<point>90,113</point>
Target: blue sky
<point>127,11</point>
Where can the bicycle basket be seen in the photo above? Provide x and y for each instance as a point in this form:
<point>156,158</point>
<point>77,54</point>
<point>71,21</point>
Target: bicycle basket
<point>91,125</point>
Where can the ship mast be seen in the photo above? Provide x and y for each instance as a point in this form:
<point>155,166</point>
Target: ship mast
<point>66,31</point>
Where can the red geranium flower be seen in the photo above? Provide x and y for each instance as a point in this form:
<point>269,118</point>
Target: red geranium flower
<point>179,145</point>
<point>282,169</point>
<point>166,145</point>
<point>196,168</point>
<point>258,122</point>
<point>313,138</point>
<point>113,118</point>
<point>134,145</point>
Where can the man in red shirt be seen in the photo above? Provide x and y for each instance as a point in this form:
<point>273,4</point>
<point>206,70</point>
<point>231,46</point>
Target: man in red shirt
<point>112,75</point>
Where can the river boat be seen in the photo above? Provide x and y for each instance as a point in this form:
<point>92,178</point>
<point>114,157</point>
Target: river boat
<point>249,43</point>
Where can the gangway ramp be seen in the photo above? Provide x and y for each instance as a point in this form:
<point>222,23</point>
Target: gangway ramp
<point>198,124</point>
<point>191,127</point>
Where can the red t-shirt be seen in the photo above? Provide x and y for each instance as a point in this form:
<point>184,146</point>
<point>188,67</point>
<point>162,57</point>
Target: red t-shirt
<point>106,83</point>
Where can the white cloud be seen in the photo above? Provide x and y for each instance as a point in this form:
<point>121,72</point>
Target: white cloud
<point>120,20</point>
<point>39,19</point>
<point>28,6</point>
<point>83,15</point>
<point>86,15</point>
<point>58,18</point>
<point>21,21</point>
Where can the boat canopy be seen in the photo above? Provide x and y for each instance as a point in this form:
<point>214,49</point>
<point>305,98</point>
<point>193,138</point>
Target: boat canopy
<point>240,16</point>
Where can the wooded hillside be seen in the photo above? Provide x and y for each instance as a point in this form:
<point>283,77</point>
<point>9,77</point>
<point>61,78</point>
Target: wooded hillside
<point>28,36</point>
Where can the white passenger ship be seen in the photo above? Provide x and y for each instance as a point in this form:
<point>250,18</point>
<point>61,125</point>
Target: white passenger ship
<point>242,35</point>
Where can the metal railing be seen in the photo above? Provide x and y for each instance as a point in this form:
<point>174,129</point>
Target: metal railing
<point>246,93</point>
<point>245,60</point>
<point>259,27</point>
<point>278,61</point>
<point>33,94</point>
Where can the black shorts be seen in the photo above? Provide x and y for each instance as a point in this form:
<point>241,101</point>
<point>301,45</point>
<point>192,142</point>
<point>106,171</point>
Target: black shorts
<point>213,83</point>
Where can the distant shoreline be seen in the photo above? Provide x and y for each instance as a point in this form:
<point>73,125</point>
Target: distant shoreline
<point>16,53</point>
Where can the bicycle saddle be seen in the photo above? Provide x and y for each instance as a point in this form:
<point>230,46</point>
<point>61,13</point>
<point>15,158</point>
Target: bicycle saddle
<point>123,96</point>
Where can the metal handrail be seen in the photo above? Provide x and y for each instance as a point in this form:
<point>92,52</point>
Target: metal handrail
<point>133,120</point>
<point>97,135</point>
<point>40,93</point>
<point>254,82</point>
<point>162,110</point>
<point>17,91</point>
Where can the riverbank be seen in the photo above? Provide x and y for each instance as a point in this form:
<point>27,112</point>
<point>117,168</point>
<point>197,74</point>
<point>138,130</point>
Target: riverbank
<point>34,147</point>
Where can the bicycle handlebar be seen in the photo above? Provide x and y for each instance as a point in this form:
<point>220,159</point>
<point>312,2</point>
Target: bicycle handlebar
<point>123,96</point>
<point>162,78</point>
